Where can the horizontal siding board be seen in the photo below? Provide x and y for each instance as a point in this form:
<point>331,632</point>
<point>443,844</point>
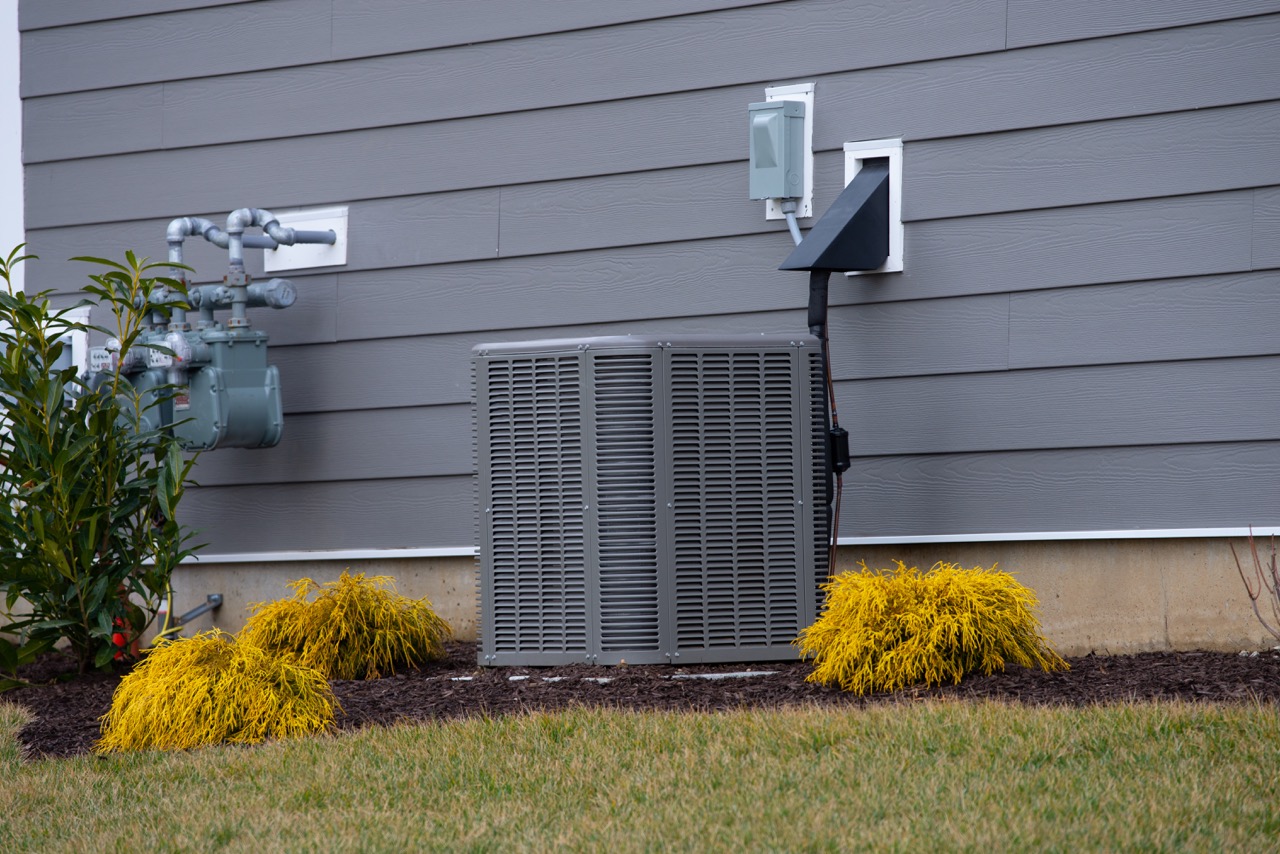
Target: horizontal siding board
<point>395,232</point>
<point>313,99</point>
<point>156,48</point>
<point>93,123</point>
<point>1179,153</point>
<point>342,446</point>
<point>412,230</point>
<point>85,191</point>
<point>1202,317</point>
<point>1195,235</point>
<point>119,49</point>
<point>613,136</point>
<point>1158,239</point>
<point>409,162</point>
<point>1102,489</point>
<point>1266,228</point>
<point>1125,241</point>
<point>1213,400</point>
<point>435,370</point>
<point>649,282</point>
<point>617,210</point>
<point>364,28</point>
<point>38,14</point>
<point>1036,22</point>
<point>1091,244</point>
<point>920,337</point>
<point>1212,65</point>
<point>600,286</point>
<point>389,514</point>
<point>673,54</point>
<point>1166,71</point>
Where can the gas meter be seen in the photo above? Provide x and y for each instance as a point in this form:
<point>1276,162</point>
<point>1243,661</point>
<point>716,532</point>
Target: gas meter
<point>211,384</point>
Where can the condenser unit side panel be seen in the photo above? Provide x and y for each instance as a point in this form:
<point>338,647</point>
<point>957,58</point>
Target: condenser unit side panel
<point>813,451</point>
<point>533,497</point>
<point>481,453</point>
<point>740,534</point>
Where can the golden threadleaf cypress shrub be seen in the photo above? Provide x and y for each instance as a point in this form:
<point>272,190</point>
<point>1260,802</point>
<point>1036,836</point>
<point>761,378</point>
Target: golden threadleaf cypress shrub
<point>355,628</point>
<point>212,689</point>
<point>883,631</point>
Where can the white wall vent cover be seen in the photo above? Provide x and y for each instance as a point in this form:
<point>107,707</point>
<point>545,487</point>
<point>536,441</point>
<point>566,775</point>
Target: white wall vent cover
<point>649,499</point>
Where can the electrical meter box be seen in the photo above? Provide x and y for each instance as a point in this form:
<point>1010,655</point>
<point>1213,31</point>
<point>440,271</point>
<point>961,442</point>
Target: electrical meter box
<point>234,399</point>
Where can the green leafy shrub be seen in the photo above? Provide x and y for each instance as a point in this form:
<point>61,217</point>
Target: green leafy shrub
<point>355,628</point>
<point>883,631</point>
<point>213,689</point>
<point>88,533</point>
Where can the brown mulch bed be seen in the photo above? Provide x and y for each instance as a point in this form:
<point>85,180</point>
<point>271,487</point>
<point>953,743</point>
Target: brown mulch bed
<point>67,712</point>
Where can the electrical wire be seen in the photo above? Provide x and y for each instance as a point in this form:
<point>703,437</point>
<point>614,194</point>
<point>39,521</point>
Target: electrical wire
<point>833,416</point>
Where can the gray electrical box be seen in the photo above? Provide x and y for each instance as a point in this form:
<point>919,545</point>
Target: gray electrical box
<point>776,167</point>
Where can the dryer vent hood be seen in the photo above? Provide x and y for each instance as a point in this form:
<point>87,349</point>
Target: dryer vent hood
<point>854,232</point>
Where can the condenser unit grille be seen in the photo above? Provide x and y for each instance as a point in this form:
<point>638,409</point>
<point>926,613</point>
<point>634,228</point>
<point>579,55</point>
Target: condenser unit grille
<point>536,497</point>
<point>736,482</point>
<point>649,500</point>
<point>626,501</point>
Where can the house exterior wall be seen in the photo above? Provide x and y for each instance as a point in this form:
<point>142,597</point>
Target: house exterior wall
<point>1082,340</point>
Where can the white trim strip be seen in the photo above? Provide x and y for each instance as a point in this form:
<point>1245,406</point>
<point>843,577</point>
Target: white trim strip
<point>1012,537</point>
<point>1126,534</point>
<point>333,554</point>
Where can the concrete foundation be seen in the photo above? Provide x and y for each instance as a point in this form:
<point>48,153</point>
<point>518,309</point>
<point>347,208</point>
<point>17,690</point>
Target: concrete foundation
<point>1112,596</point>
<point>1103,596</point>
<point>449,583</point>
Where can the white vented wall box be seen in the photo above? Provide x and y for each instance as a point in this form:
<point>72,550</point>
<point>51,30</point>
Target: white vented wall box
<point>649,499</point>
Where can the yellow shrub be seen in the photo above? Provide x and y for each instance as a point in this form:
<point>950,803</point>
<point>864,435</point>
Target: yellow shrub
<point>882,631</point>
<point>355,628</point>
<point>211,689</point>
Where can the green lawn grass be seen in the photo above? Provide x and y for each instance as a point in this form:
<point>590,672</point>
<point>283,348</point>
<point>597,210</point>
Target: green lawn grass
<point>909,777</point>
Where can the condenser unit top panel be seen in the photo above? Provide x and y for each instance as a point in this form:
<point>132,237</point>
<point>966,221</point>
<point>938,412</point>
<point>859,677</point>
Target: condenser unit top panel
<point>686,341</point>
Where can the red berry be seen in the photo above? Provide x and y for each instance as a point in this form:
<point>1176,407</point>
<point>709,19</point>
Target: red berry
<point>117,639</point>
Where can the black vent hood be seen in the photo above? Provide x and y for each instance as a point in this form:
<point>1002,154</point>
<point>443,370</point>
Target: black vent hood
<point>854,232</point>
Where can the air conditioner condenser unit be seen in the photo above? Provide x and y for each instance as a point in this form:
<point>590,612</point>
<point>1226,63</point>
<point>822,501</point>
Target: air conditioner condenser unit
<point>649,499</point>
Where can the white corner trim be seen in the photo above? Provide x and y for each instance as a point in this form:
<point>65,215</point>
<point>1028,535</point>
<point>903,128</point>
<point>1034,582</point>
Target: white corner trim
<point>1009,537</point>
<point>1018,537</point>
<point>332,554</point>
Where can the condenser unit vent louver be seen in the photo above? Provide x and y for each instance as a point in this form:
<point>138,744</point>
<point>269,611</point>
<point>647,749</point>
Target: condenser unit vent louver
<point>649,500</point>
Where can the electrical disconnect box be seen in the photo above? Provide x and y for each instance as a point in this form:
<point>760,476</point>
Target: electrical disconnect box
<point>776,152</point>
<point>209,382</point>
